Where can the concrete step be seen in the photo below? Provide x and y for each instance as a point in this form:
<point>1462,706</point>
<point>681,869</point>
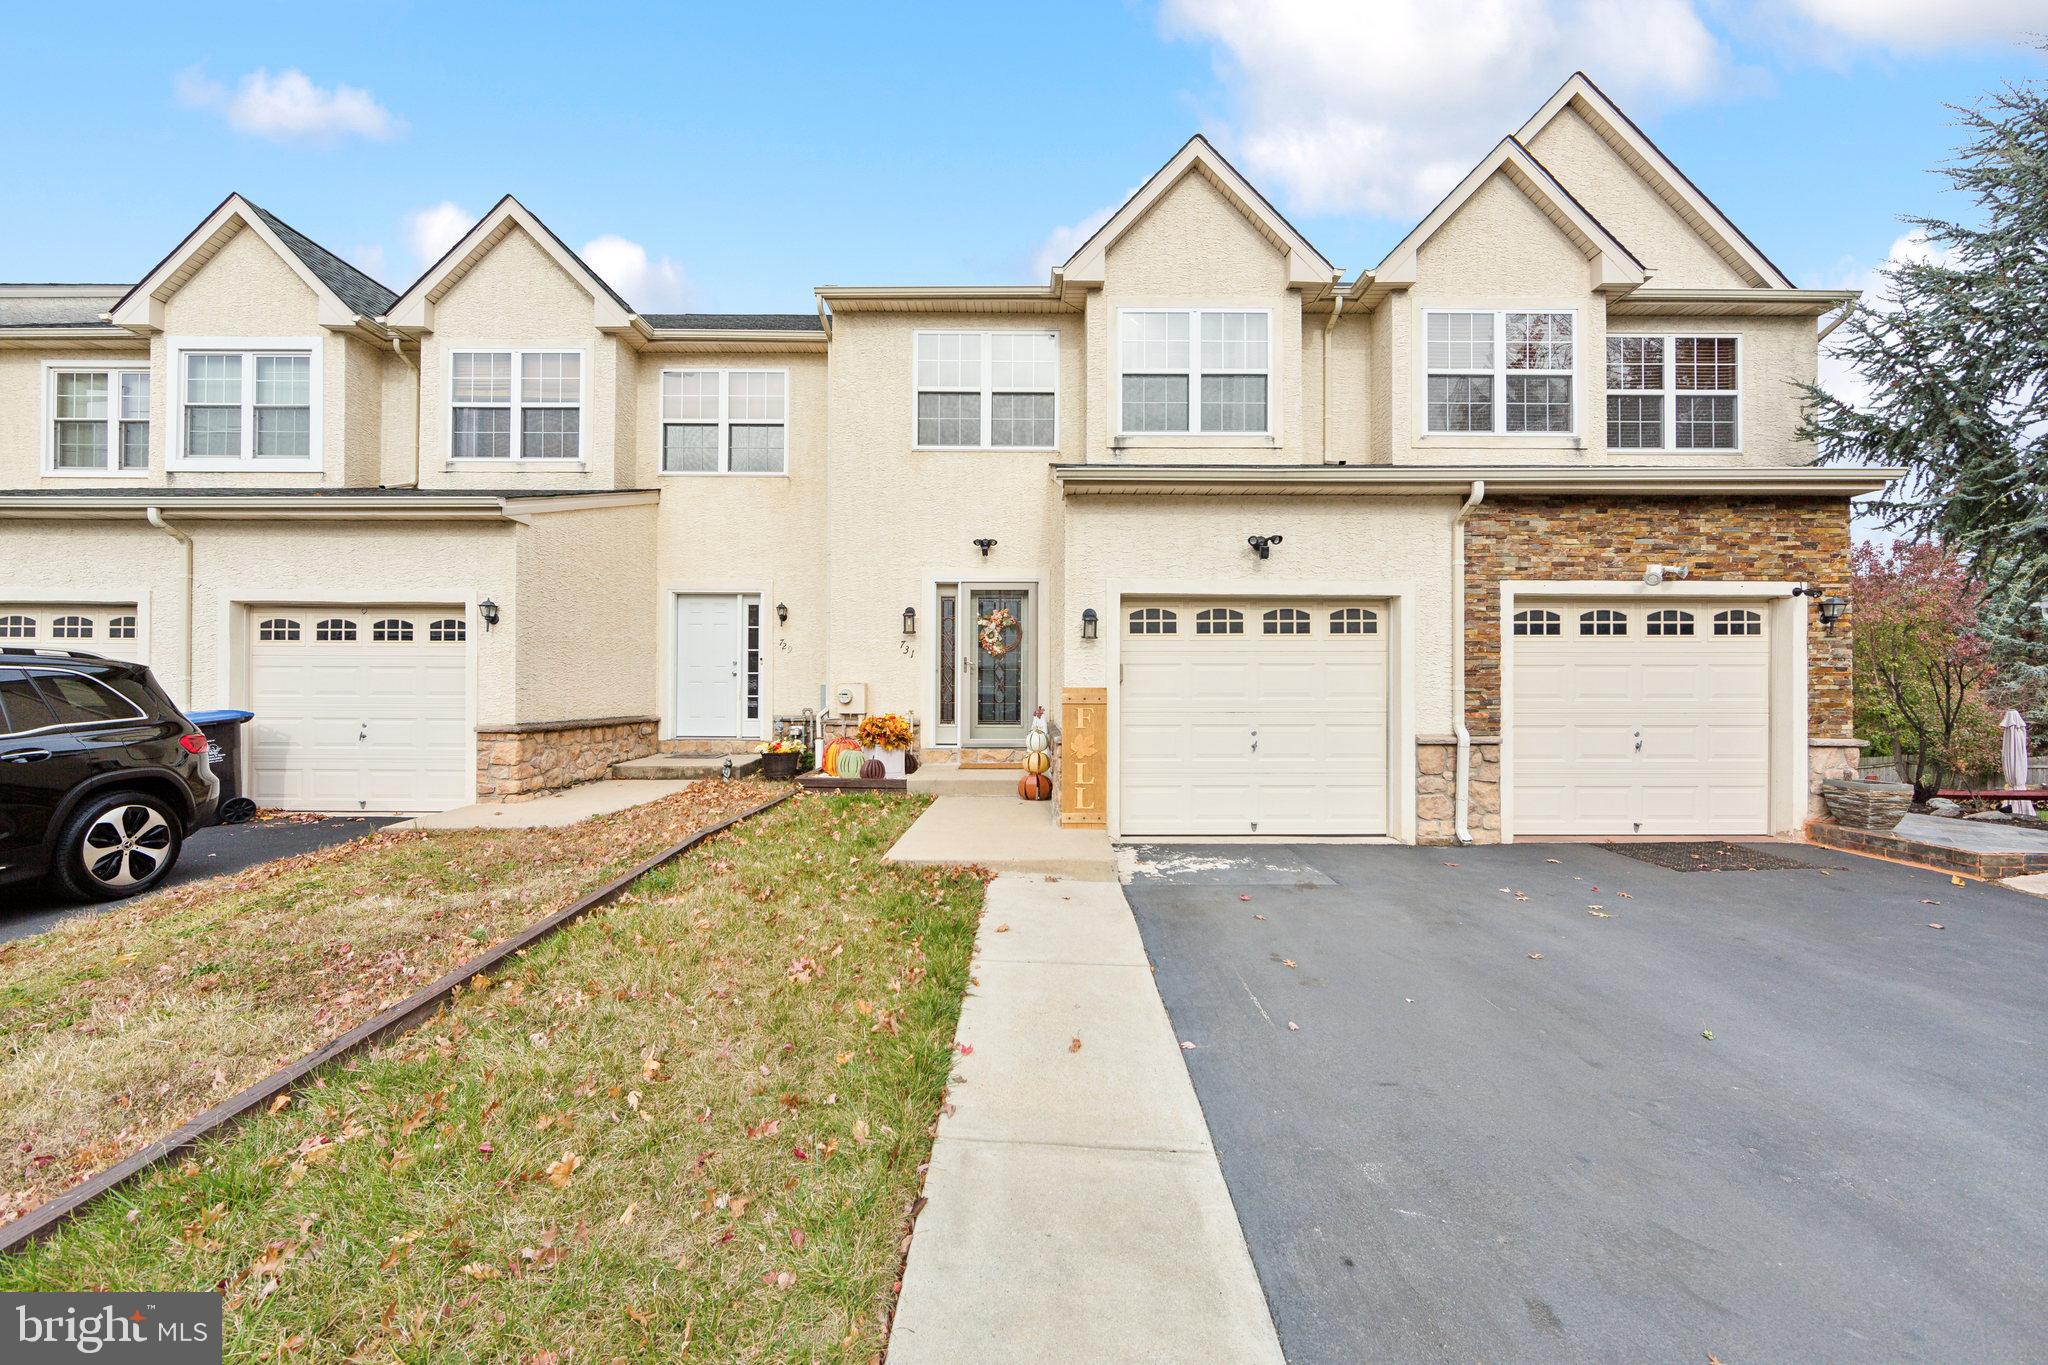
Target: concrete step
<point>684,767</point>
<point>949,780</point>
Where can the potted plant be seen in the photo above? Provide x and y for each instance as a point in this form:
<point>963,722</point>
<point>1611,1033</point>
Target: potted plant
<point>780,759</point>
<point>885,738</point>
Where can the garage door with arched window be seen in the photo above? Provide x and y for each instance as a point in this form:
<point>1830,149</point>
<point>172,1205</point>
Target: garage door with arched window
<point>1639,719</point>
<point>1252,718</point>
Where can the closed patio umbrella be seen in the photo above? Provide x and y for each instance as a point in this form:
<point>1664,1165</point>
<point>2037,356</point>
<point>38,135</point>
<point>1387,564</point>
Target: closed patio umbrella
<point>2015,756</point>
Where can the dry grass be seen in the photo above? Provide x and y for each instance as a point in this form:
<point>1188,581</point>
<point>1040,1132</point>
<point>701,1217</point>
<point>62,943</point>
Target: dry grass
<point>116,1029</point>
<point>691,1125</point>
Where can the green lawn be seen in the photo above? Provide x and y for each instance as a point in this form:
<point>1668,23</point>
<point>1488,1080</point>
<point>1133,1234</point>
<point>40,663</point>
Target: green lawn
<point>696,1119</point>
<point>116,1028</point>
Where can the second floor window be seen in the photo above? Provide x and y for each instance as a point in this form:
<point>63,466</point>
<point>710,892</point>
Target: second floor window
<point>987,390</point>
<point>1499,373</point>
<point>99,421</point>
<point>250,406</point>
<point>1673,392</point>
<point>724,422</point>
<point>516,405</point>
<point>1194,371</point>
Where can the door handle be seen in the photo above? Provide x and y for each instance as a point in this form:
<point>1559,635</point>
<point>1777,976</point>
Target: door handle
<point>24,756</point>
<point>1639,741</point>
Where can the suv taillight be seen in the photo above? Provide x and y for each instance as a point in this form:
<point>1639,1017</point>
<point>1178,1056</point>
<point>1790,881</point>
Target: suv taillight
<point>192,744</point>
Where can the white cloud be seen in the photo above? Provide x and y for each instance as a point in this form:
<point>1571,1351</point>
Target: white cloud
<point>1382,108</point>
<point>650,286</point>
<point>431,231</point>
<point>1063,242</point>
<point>369,260</point>
<point>1912,24</point>
<point>288,107</point>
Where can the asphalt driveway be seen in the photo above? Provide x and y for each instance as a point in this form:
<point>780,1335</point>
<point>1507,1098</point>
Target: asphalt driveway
<point>212,852</point>
<point>1443,1147</point>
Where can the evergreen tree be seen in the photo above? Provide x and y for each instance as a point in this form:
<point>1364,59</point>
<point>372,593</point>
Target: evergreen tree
<point>1956,355</point>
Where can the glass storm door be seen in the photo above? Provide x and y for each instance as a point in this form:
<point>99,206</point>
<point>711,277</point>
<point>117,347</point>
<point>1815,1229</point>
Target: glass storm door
<point>948,666</point>
<point>995,632</point>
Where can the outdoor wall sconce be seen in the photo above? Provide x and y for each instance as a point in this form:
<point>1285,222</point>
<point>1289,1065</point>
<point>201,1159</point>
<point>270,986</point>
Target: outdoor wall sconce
<point>984,546</point>
<point>1263,545</point>
<point>782,613</point>
<point>489,611</point>
<point>1832,609</point>
<point>910,620</point>
<point>1088,623</point>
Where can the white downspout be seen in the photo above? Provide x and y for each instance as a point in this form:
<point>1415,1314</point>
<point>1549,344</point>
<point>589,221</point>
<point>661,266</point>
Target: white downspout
<point>1461,830</point>
<point>1328,328</point>
<point>419,401</point>
<point>183,679</point>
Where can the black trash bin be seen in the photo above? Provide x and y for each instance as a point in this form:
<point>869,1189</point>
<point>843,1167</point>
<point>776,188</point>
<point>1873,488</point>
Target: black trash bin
<point>223,731</point>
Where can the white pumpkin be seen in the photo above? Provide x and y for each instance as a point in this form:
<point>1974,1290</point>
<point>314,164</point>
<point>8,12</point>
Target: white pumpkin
<point>1036,742</point>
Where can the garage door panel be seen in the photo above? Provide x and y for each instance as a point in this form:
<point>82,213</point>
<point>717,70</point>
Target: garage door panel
<point>362,724</point>
<point>1698,704</point>
<point>1189,708</point>
<point>109,629</point>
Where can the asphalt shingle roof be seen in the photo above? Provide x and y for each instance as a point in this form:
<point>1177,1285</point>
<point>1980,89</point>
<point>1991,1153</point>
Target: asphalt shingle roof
<point>67,308</point>
<point>751,322</point>
<point>361,293</point>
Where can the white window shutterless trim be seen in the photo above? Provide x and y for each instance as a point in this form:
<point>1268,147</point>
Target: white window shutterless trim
<point>246,350</point>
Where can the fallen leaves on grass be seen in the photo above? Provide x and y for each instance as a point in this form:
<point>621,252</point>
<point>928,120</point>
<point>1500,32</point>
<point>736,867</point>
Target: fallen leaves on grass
<point>560,1171</point>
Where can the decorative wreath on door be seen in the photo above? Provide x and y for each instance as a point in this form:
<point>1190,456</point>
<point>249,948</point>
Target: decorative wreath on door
<point>999,632</point>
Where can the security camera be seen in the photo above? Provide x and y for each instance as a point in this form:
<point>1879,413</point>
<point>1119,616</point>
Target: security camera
<point>1262,544</point>
<point>1657,573</point>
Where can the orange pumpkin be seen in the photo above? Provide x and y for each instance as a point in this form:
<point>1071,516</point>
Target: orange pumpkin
<point>1035,787</point>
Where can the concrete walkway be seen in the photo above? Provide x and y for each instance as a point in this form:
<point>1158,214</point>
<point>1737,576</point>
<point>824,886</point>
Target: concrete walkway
<point>1973,836</point>
<point>550,810</point>
<point>1075,1209</point>
<point>1003,834</point>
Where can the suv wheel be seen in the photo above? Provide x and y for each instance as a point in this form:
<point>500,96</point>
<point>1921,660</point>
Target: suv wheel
<point>117,845</point>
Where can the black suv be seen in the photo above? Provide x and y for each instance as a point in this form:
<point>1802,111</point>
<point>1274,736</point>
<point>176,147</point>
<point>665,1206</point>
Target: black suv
<point>101,778</point>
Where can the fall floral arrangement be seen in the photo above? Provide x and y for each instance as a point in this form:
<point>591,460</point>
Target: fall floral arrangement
<point>886,731</point>
<point>997,630</point>
<point>779,746</point>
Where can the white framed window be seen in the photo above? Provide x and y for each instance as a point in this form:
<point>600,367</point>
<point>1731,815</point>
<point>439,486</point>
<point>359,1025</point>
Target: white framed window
<point>725,421</point>
<point>1536,621</point>
<point>1738,621</point>
<point>1669,621</point>
<point>1603,621</point>
<point>1286,621</point>
<point>985,390</point>
<point>96,418</point>
<point>1219,621</point>
<point>244,403</point>
<point>1154,621</point>
<point>1499,373</point>
<point>515,405</point>
<point>1194,371</point>
<point>1674,391</point>
<point>1354,621</point>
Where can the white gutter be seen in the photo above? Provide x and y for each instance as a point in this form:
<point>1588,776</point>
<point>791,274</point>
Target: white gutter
<point>1461,830</point>
<point>182,689</point>
<point>1440,480</point>
<point>1828,327</point>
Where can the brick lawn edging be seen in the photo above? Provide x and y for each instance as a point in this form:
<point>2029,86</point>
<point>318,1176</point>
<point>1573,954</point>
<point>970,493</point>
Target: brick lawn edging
<point>402,1017</point>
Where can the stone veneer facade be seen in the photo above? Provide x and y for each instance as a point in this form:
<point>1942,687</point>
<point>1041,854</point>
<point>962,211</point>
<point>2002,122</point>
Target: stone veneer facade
<point>518,761</point>
<point>1612,538</point>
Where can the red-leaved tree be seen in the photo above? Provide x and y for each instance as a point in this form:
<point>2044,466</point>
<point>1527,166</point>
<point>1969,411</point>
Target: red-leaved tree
<point>1921,664</point>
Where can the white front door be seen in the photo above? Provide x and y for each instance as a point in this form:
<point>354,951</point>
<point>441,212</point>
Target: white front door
<point>993,634</point>
<point>1635,719</point>
<point>359,709</point>
<point>718,665</point>
<point>1253,717</point>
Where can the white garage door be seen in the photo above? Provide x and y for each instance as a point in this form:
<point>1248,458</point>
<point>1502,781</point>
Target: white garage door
<point>96,628</point>
<point>1253,718</point>
<point>1641,719</point>
<point>359,708</point>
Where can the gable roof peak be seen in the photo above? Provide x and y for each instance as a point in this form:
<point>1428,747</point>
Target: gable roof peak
<point>413,310</point>
<point>1611,264</point>
<point>1584,97</point>
<point>344,294</point>
<point>1306,265</point>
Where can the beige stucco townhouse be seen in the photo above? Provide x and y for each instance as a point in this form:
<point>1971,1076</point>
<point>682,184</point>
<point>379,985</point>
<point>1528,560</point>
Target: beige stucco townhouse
<point>1509,536</point>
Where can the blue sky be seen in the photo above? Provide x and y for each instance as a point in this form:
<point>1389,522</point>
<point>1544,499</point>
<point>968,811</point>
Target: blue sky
<point>752,152</point>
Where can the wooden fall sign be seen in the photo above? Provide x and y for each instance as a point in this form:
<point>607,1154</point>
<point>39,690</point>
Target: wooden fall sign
<point>1084,744</point>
